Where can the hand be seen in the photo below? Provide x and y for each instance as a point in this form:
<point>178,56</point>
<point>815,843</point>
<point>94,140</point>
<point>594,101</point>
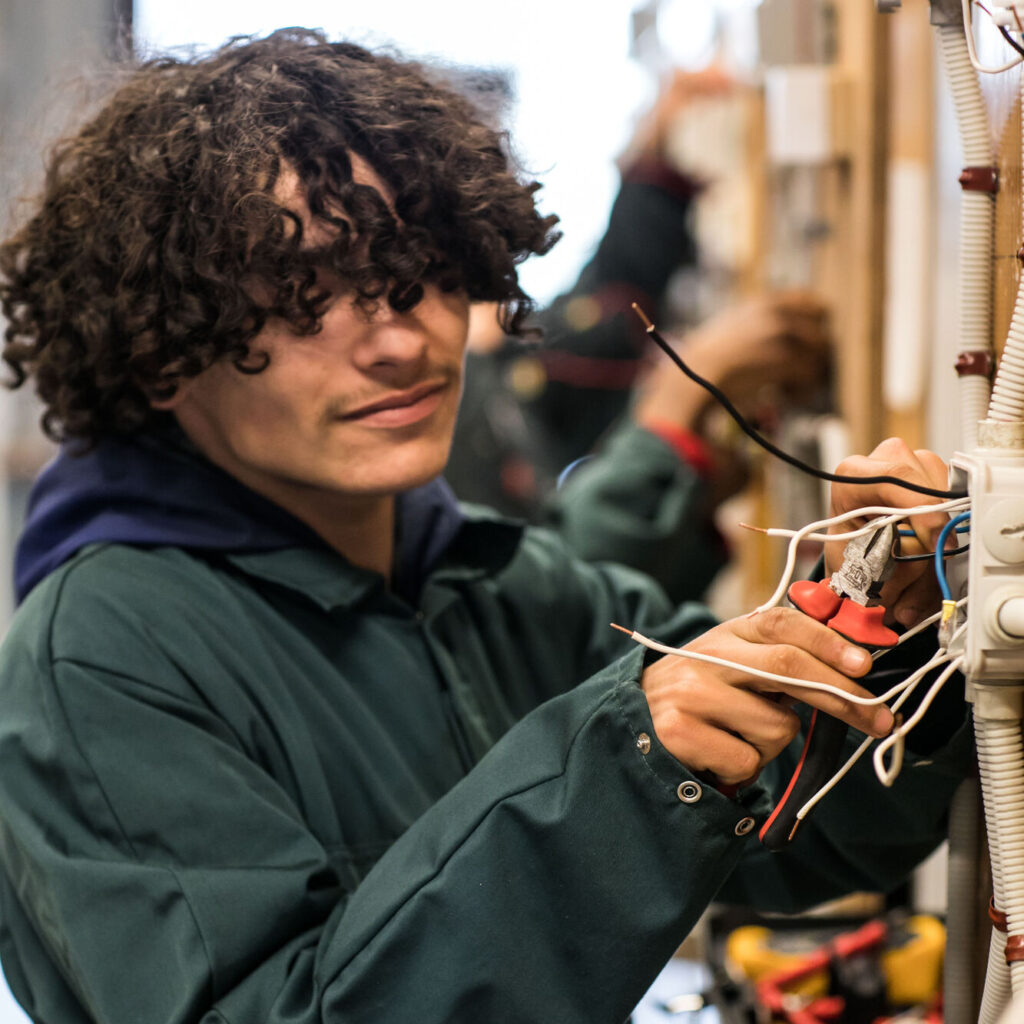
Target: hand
<point>730,723</point>
<point>912,592</point>
<point>779,341</point>
<point>651,135</point>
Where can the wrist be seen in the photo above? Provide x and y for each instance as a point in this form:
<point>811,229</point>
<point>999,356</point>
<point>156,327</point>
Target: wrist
<point>688,446</point>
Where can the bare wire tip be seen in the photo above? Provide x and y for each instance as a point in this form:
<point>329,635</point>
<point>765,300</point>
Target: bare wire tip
<point>622,629</point>
<point>756,529</point>
<point>643,316</point>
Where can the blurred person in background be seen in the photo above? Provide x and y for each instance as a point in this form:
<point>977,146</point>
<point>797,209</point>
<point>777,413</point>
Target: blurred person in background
<point>534,412</point>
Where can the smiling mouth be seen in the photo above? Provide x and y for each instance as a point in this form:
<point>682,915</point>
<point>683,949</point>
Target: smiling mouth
<point>401,408</point>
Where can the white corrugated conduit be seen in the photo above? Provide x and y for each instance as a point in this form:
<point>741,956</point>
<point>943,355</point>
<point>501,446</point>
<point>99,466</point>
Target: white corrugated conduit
<point>977,218</point>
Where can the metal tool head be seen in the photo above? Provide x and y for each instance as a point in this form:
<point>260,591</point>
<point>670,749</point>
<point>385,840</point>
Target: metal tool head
<point>867,564</point>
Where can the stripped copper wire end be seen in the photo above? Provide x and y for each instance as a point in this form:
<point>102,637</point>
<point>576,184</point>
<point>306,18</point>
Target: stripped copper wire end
<point>623,629</point>
<point>643,316</point>
<point>756,529</point>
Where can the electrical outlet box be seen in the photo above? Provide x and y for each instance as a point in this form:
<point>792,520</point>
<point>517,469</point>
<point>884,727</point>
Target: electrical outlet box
<point>994,479</point>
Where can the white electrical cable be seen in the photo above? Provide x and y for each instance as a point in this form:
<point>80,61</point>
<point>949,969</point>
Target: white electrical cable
<point>920,628</point>
<point>887,776</point>
<point>940,657</point>
<point>977,218</point>
<point>889,514</point>
<point>875,524</point>
<point>772,677</point>
<point>969,33</point>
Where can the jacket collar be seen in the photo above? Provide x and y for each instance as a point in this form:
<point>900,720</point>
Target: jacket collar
<point>158,490</point>
<point>482,546</point>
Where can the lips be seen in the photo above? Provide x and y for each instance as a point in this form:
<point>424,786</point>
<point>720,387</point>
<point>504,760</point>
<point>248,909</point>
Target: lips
<point>401,408</point>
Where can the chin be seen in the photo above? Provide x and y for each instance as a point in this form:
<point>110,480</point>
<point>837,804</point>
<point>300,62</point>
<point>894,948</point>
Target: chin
<point>402,474</point>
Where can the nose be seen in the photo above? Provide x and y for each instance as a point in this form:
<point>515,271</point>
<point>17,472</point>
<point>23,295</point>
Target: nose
<point>392,339</point>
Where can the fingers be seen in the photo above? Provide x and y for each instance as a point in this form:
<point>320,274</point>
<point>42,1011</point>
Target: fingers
<point>732,738</point>
<point>912,591</point>
<point>731,722</point>
<point>789,643</point>
<point>893,457</point>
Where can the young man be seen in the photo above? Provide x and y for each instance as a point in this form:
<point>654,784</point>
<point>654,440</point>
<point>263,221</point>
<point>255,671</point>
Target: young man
<point>284,734</point>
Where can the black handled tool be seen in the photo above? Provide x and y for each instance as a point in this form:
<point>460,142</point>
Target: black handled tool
<point>818,761</point>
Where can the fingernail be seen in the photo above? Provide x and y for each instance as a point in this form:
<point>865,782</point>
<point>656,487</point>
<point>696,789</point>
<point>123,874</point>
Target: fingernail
<point>882,722</point>
<point>855,659</point>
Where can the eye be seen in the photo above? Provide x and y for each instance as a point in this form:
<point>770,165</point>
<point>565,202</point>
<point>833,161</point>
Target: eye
<point>403,301</point>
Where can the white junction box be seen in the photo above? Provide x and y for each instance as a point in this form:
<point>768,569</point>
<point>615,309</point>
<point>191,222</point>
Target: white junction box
<point>994,479</point>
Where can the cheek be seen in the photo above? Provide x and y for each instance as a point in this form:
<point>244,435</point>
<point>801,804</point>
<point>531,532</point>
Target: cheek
<point>261,411</point>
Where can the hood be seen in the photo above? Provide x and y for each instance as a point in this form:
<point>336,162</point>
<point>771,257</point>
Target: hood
<point>159,490</point>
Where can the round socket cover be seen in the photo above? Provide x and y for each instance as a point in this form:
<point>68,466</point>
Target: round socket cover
<point>1010,617</point>
<point>1002,530</point>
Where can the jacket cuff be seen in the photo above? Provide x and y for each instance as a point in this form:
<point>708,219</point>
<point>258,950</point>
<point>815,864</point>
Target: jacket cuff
<point>737,814</point>
<point>690,447</point>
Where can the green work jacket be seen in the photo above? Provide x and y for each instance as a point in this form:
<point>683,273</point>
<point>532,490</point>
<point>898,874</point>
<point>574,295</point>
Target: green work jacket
<point>261,789</point>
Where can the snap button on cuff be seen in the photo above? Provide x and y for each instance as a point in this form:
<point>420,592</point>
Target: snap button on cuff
<point>643,743</point>
<point>744,825</point>
<point>689,792</point>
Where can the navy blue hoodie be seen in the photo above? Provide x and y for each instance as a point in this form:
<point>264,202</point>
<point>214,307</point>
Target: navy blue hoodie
<point>157,489</point>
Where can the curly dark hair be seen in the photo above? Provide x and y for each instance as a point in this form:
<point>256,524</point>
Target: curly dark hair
<point>159,246</point>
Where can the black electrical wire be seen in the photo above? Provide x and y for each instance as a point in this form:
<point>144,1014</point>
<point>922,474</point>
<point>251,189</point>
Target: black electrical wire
<point>792,460</point>
<point>930,555</point>
<point>1013,42</point>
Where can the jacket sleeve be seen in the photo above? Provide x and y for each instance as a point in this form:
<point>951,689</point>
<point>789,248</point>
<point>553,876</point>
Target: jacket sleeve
<point>171,878</point>
<point>593,342</point>
<point>638,503</point>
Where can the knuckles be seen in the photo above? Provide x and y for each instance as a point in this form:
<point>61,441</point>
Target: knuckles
<point>894,449</point>
<point>780,733</point>
<point>746,763</point>
<point>775,625</point>
<point>784,660</point>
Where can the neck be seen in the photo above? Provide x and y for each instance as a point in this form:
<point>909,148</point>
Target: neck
<point>361,531</point>
<point>361,528</point>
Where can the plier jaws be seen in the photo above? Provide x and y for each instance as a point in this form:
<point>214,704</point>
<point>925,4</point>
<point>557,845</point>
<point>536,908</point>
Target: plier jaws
<point>867,564</point>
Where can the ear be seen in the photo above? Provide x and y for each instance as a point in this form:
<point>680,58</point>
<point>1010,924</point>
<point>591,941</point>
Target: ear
<point>169,403</point>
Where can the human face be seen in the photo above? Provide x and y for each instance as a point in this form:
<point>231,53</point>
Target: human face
<point>363,409</point>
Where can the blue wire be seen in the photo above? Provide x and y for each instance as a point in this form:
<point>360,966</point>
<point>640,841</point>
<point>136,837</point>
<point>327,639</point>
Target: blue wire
<point>910,533</point>
<point>940,547</point>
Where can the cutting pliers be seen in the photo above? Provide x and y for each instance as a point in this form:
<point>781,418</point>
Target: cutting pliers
<point>849,603</point>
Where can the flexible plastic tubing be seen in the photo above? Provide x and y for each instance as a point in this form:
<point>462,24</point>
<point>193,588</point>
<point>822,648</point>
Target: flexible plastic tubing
<point>1007,404</point>
<point>1001,740</point>
<point>977,219</point>
<point>1001,767</point>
